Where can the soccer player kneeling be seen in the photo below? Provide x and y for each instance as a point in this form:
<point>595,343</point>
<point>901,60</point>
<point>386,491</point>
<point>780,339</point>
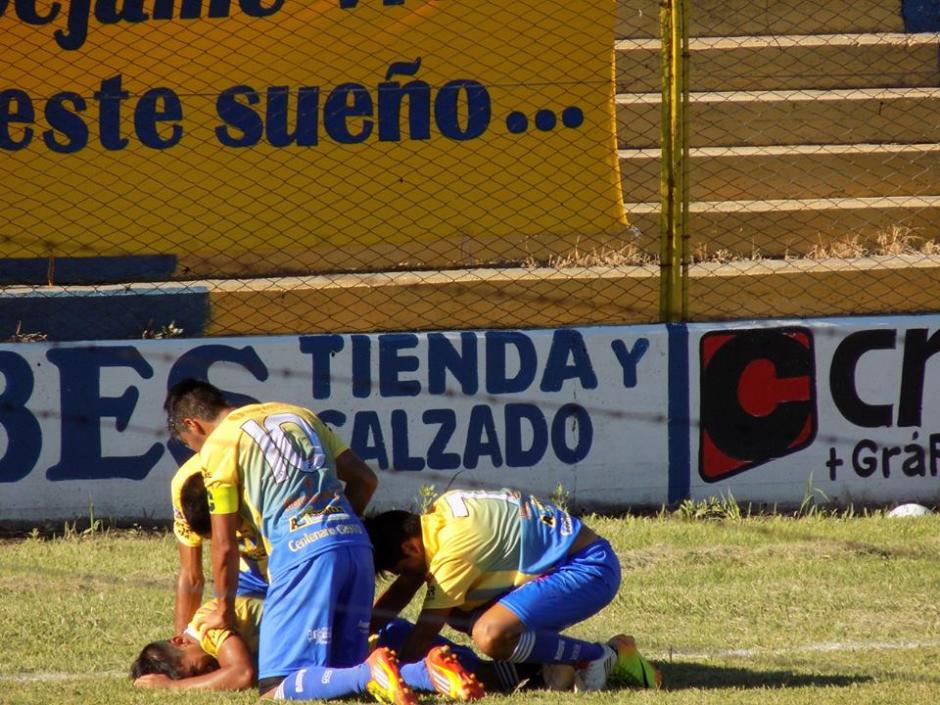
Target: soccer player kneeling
<point>510,571</point>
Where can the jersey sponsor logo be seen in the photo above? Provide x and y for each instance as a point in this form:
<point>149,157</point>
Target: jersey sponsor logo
<point>295,545</point>
<point>311,515</point>
<point>319,635</point>
<point>758,398</point>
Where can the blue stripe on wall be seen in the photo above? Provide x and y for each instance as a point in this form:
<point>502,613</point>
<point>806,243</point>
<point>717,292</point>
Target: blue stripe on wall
<point>107,316</point>
<point>679,430</point>
<point>921,15</point>
<point>87,270</point>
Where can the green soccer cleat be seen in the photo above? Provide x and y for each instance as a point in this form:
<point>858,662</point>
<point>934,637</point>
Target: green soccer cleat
<point>631,668</point>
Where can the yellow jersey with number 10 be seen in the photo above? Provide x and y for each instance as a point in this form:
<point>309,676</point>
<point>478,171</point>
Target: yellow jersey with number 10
<point>275,465</point>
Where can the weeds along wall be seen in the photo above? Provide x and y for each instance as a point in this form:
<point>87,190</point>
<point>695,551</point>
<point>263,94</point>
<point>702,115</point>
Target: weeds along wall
<point>206,167</point>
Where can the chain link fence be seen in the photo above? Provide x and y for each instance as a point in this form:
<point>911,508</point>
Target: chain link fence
<point>812,155</point>
<point>205,167</point>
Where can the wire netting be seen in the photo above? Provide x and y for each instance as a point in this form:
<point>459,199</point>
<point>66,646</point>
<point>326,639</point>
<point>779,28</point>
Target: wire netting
<point>205,167</point>
<point>813,147</point>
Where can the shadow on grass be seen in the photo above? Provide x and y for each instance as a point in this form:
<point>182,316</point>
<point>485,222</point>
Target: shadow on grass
<point>678,676</point>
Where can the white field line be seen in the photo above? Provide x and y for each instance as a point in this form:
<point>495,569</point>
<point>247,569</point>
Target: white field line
<point>55,676</point>
<point>675,654</point>
<point>822,647</point>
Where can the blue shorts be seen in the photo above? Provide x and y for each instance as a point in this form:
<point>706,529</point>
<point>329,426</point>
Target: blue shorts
<point>575,590</point>
<point>317,613</point>
<point>252,582</point>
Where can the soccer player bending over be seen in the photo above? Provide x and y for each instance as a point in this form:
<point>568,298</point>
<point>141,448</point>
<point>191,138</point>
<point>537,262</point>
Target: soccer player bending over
<point>191,526</point>
<point>511,572</point>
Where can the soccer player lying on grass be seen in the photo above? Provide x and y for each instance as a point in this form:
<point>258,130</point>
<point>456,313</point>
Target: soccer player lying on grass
<point>222,659</point>
<point>192,525</point>
<point>203,659</point>
<point>512,573</point>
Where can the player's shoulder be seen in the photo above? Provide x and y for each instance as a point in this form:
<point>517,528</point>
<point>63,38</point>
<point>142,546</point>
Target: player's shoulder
<point>262,410</point>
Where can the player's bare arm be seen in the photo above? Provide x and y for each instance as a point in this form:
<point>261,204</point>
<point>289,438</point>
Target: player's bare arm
<point>190,582</point>
<point>224,570</point>
<point>233,668</point>
<point>395,598</point>
<point>429,625</point>
<point>361,482</point>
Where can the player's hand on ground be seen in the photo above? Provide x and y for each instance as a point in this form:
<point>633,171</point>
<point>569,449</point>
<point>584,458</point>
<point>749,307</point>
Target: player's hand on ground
<point>153,680</point>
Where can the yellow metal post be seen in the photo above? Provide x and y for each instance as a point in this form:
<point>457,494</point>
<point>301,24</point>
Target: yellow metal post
<point>674,182</point>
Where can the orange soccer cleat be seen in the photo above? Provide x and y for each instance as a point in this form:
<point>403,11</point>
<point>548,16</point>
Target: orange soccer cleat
<point>449,676</point>
<point>387,685</point>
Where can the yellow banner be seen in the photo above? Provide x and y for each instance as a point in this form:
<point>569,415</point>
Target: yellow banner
<point>260,136</point>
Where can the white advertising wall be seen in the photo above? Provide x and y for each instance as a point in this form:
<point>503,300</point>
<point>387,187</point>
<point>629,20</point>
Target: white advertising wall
<point>846,409</point>
<point>83,427</point>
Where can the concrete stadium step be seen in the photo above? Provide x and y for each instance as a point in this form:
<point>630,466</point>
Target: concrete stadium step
<point>788,62</point>
<point>791,172</point>
<point>804,288</point>
<point>794,228</point>
<point>733,18</point>
<point>756,118</point>
<point>520,298</point>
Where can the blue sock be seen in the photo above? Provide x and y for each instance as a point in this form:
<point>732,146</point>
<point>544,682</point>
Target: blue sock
<point>507,675</point>
<point>549,647</point>
<point>416,675</point>
<point>320,683</point>
<point>394,633</point>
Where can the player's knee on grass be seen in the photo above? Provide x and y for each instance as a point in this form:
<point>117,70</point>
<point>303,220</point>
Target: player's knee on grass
<point>267,687</point>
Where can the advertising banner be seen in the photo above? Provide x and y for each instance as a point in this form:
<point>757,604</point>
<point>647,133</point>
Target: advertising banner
<point>844,410</point>
<point>214,136</point>
<point>83,428</point>
<point>769,412</point>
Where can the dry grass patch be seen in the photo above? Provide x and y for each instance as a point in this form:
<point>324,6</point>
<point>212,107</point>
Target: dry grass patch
<point>894,241</point>
<point>625,255</point>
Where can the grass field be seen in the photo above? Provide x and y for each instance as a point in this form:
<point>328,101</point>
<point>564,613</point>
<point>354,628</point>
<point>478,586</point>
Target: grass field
<point>768,610</point>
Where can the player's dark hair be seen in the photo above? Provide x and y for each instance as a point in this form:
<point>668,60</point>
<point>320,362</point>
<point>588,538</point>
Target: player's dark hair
<point>158,657</point>
<point>193,399</point>
<point>388,531</point>
<point>195,503</point>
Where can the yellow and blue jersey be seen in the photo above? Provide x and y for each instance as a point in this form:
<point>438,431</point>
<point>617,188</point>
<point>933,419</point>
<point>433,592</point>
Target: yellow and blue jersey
<point>480,545</point>
<point>181,528</point>
<point>253,560</point>
<point>275,465</point>
<point>248,612</point>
